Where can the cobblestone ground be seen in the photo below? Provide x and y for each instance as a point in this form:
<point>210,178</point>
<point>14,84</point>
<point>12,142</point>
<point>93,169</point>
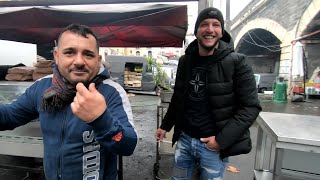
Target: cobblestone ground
<point>139,166</point>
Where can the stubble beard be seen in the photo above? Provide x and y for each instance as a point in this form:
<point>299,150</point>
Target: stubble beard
<point>209,48</point>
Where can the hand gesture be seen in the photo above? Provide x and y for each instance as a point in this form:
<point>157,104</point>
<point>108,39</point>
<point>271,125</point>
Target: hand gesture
<point>211,143</point>
<point>88,104</point>
<point>160,134</point>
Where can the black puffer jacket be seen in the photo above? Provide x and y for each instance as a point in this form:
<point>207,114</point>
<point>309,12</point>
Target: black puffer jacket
<point>232,94</point>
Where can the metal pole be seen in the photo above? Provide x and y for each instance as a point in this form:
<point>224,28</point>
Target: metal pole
<point>201,5</point>
<point>227,21</point>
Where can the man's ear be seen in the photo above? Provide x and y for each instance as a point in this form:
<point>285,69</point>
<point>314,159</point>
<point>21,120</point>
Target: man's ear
<point>56,55</point>
<point>222,34</point>
<point>100,60</point>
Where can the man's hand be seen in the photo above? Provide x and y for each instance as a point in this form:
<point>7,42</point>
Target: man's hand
<point>88,104</point>
<point>211,143</point>
<point>160,134</point>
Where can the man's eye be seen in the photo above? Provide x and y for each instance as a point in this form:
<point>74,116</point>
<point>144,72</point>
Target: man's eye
<point>89,55</point>
<point>68,52</point>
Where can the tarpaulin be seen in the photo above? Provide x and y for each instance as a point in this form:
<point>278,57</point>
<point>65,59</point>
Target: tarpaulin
<point>157,25</point>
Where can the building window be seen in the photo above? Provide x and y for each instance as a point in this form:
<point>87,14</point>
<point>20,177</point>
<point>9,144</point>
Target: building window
<point>137,53</point>
<point>149,53</point>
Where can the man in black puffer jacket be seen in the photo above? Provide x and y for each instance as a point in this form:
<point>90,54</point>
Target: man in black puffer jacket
<point>215,101</point>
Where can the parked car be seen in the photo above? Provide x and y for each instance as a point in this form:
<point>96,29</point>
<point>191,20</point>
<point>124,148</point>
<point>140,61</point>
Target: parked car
<point>264,81</point>
<point>173,62</point>
<point>161,59</point>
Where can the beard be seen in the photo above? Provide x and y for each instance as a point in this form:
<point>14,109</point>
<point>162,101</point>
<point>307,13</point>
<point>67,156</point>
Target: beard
<point>208,48</point>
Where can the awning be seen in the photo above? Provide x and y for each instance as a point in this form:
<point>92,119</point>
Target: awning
<point>126,25</point>
<point>20,3</point>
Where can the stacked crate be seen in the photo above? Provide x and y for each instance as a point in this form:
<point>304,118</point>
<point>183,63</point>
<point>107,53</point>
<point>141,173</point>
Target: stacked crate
<point>43,68</point>
<point>20,74</point>
<point>132,79</point>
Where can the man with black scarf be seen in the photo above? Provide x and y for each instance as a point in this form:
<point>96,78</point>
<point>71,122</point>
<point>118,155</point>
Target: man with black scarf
<point>214,102</point>
<point>86,119</point>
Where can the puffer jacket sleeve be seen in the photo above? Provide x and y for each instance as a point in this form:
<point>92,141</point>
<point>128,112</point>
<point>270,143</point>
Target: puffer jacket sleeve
<point>247,102</point>
<point>169,119</point>
<point>114,129</point>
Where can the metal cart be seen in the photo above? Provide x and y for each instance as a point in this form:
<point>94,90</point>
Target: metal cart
<point>164,149</point>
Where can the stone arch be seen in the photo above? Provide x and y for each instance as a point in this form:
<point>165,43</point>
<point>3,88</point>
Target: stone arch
<point>307,16</point>
<point>262,23</point>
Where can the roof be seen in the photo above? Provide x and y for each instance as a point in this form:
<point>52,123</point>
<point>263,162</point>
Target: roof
<point>133,25</point>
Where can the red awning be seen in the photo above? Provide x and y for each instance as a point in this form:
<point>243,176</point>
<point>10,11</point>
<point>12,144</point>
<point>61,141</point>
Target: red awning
<point>116,26</point>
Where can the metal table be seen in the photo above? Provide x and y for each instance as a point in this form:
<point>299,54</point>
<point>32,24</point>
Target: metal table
<point>293,137</point>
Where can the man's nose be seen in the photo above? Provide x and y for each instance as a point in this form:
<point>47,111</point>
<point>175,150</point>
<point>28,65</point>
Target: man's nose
<point>211,28</point>
<point>79,59</point>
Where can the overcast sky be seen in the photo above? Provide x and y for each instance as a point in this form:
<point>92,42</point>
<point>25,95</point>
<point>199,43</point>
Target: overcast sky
<point>235,6</point>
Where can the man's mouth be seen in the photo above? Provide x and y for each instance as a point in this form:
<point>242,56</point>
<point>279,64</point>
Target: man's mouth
<point>209,37</point>
<point>78,72</point>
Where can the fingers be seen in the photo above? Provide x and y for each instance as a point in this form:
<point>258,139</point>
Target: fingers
<point>82,89</point>
<point>157,136</point>
<point>205,140</point>
<point>211,143</point>
<point>92,88</point>
<point>82,94</point>
<point>73,107</point>
<point>160,134</point>
<point>88,100</point>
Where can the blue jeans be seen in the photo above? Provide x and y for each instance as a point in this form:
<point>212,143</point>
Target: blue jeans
<point>189,152</point>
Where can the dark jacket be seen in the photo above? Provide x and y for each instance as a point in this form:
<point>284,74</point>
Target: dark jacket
<point>74,149</point>
<point>232,95</point>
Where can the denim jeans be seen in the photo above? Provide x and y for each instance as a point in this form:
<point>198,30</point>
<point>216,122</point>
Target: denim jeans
<point>189,152</point>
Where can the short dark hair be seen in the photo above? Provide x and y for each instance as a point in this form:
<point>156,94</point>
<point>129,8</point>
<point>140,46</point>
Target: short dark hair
<point>82,30</point>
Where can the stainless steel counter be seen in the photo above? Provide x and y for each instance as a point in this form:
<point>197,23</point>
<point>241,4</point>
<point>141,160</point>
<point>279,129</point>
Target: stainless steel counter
<point>25,140</point>
<point>293,137</point>
<point>302,130</point>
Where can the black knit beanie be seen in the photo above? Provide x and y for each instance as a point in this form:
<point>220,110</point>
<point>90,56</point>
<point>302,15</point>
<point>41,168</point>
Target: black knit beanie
<point>210,12</point>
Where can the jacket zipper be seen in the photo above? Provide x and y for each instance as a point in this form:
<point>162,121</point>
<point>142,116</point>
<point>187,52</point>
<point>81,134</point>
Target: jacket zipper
<point>61,145</point>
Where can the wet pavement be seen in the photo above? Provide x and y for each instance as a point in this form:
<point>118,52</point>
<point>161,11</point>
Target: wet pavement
<point>140,165</point>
